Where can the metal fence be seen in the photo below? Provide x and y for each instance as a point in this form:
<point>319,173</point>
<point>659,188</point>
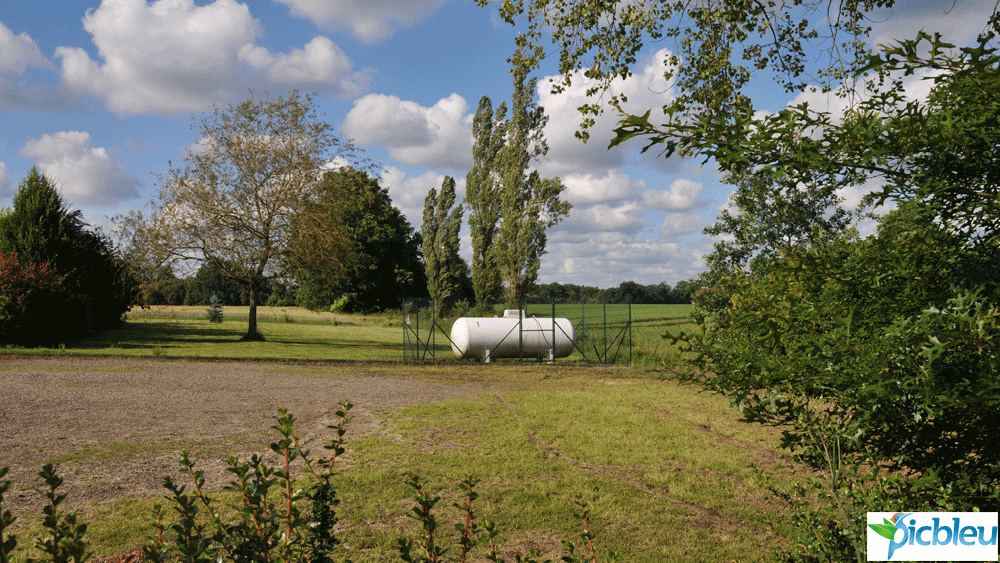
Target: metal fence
<point>602,333</point>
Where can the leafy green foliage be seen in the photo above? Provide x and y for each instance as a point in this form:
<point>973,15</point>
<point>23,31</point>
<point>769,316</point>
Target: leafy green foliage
<point>771,216</point>
<point>720,49</point>
<point>95,287</point>
<point>530,204</point>
<point>40,228</point>
<point>299,528</point>
<point>7,543</point>
<point>881,354</point>
<point>444,267</point>
<point>482,199</point>
<point>509,208</point>
<point>65,541</point>
<point>375,253</point>
<point>471,535</point>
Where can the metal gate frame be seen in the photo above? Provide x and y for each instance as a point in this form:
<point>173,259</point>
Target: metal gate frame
<point>420,347</point>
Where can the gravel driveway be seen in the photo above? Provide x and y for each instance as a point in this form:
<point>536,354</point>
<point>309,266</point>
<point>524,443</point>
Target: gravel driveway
<point>116,425</point>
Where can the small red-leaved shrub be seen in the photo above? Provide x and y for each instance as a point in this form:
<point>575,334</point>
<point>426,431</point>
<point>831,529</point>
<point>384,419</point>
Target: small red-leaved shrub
<point>31,296</point>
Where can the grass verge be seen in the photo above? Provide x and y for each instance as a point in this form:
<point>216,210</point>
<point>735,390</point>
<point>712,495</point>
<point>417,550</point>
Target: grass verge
<point>668,472</point>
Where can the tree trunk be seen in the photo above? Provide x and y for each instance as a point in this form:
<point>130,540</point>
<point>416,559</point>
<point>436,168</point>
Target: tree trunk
<point>252,334</point>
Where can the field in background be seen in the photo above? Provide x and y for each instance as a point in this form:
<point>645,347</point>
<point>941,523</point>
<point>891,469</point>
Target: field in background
<point>294,333</point>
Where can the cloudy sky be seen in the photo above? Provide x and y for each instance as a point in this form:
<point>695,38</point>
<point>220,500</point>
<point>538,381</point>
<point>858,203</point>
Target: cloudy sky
<point>101,94</point>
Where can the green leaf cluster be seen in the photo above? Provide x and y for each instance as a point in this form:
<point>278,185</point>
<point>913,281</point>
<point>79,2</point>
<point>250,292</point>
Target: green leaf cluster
<point>510,208</point>
<point>880,360</point>
<point>351,239</point>
<point>446,271</point>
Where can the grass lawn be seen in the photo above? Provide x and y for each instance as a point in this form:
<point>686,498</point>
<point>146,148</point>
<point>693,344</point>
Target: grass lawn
<point>291,334</point>
<point>668,472</point>
<point>294,333</point>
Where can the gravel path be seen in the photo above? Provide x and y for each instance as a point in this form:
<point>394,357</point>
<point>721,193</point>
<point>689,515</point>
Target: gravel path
<point>116,426</point>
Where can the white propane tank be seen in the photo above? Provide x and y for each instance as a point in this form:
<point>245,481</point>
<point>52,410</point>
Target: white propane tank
<point>485,338</point>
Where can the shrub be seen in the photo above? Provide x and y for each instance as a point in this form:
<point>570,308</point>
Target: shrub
<point>214,312</point>
<point>34,298</point>
<point>882,366</point>
<point>97,287</point>
<point>346,303</point>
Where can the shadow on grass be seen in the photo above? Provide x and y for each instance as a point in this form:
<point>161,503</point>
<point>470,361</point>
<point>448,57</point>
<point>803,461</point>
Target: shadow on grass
<point>183,334</point>
<point>149,335</point>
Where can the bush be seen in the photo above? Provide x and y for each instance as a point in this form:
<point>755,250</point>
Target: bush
<point>880,359</point>
<point>346,303</point>
<point>214,312</point>
<point>97,287</point>
<point>33,303</point>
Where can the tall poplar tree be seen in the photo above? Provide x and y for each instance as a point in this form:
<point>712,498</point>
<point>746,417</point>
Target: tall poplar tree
<point>530,204</point>
<point>482,199</point>
<point>442,223</point>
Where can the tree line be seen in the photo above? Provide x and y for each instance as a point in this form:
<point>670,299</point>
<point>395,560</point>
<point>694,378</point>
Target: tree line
<point>626,292</point>
<point>248,203</point>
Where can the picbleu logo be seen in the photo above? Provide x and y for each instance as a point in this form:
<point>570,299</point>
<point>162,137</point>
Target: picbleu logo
<point>932,536</point>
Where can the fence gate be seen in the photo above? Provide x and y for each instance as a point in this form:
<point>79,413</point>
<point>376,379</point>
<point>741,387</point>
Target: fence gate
<point>598,340</point>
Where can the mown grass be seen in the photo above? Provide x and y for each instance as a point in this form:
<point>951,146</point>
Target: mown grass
<point>668,471</point>
<point>294,333</point>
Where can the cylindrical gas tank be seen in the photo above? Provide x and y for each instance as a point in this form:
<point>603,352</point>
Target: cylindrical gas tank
<point>472,336</point>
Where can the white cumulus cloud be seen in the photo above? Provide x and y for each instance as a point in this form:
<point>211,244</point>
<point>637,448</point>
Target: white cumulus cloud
<point>18,92</point>
<point>173,56</point>
<point>623,220</point>
<point>675,224</point>
<point>683,194</point>
<point>958,22</point>
<point>369,21</point>
<point>613,186</point>
<point>408,194</point>
<point>86,175</point>
<point>321,64</point>
<point>18,52</point>
<point>437,136</point>
<point>607,261</point>
<point>647,89</point>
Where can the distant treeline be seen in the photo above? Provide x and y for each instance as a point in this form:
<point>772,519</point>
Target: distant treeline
<point>626,292</point>
<point>209,280</point>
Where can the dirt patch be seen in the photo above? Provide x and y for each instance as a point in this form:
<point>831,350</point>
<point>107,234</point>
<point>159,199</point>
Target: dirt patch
<point>116,426</point>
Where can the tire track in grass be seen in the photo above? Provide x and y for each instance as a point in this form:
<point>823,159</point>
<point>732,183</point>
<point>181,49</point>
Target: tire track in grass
<point>712,515</point>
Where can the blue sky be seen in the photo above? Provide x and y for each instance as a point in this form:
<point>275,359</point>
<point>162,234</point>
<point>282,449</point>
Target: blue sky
<point>101,95</point>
